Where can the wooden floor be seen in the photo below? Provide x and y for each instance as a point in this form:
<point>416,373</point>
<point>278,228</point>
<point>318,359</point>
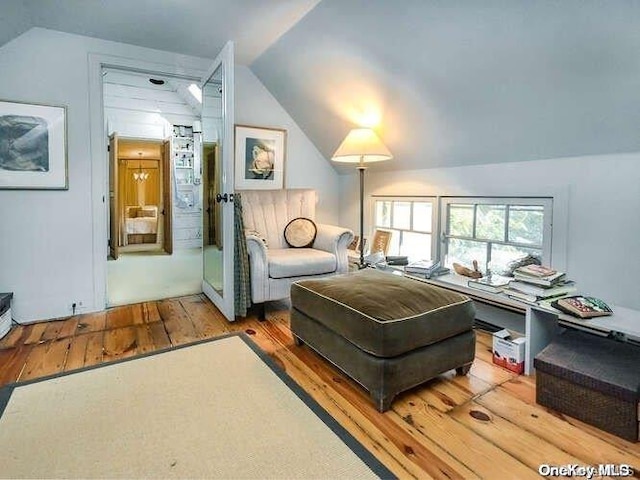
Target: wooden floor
<point>486,424</point>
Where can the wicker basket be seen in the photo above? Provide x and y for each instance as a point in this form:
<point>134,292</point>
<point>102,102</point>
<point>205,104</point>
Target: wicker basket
<point>593,379</point>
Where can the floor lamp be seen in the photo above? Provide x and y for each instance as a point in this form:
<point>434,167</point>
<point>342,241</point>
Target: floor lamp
<point>361,146</point>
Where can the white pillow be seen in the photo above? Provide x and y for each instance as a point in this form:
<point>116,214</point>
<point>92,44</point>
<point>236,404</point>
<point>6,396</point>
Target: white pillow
<point>300,232</point>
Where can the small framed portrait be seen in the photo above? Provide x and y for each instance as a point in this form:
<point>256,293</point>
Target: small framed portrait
<point>33,146</point>
<point>259,157</point>
<point>355,244</point>
<point>381,241</point>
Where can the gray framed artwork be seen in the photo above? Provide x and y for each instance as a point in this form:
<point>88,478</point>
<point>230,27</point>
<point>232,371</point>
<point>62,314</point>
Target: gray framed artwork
<point>259,158</point>
<point>33,146</point>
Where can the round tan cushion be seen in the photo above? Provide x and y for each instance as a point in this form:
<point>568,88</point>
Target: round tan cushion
<point>300,232</point>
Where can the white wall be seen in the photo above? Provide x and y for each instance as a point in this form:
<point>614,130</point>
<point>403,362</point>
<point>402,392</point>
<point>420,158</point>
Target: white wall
<point>135,108</point>
<point>596,210</point>
<point>46,252</point>
<point>46,237</point>
<point>304,167</point>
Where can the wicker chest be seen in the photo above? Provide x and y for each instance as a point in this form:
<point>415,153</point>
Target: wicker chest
<point>591,378</point>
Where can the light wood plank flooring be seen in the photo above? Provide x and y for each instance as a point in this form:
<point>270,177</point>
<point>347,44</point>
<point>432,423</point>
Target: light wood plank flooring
<point>484,425</point>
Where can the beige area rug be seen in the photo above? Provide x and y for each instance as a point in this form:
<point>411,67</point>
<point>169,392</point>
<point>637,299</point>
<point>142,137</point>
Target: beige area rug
<point>216,409</point>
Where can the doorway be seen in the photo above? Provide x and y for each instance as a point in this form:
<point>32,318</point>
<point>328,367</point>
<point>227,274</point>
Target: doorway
<point>155,196</point>
<point>216,126</point>
<point>139,210</point>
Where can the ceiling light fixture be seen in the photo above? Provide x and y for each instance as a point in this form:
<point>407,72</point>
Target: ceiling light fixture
<point>140,176</point>
<point>196,92</point>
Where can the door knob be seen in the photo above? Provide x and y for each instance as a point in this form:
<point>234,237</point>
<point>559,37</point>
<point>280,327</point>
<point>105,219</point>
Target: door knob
<point>224,197</point>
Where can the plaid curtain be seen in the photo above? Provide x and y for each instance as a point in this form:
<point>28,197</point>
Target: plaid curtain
<point>241,277</point>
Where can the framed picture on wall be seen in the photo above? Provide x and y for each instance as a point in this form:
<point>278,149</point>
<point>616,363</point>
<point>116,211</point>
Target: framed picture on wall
<point>33,146</point>
<point>259,157</point>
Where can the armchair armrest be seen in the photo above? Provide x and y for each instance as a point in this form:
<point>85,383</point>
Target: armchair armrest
<point>334,239</point>
<point>258,268</point>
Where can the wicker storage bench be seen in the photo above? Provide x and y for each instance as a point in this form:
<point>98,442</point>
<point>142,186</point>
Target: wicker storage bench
<point>389,333</point>
<point>591,378</point>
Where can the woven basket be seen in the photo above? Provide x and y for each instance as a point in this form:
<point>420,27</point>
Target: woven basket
<point>606,412</point>
<point>593,379</point>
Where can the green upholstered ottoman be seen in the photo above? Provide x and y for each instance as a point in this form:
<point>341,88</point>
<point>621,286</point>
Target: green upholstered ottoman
<point>387,332</point>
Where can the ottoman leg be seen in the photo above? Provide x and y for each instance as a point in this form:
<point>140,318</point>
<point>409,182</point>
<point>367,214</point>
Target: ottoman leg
<point>464,369</point>
<point>382,402</point>
<point>297,341</point>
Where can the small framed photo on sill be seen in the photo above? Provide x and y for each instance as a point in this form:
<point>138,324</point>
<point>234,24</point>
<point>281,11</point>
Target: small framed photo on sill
<point>33,146</point>
<point>260,155</point>
<point>355,244</point>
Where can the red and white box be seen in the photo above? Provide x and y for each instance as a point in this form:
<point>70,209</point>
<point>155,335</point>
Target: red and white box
<point>509,351</point>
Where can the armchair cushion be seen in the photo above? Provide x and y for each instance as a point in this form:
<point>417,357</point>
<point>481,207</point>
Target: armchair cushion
<point>296,262</point>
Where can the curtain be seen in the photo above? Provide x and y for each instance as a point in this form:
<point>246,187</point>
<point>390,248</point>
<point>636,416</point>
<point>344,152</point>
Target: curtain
<point>241,277</point>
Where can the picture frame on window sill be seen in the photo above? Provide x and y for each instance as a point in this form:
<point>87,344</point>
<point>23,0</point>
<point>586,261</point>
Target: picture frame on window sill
<point>33,146</point>
<point>354,246</point>
<point>260,155</point>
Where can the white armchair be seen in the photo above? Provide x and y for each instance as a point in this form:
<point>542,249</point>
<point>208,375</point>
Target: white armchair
<point>273,265</point>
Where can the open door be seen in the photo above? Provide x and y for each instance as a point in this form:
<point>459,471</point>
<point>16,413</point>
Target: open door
<point>166,197</point>
<point>210,172</point>
<point>114,204</point>
<point>217,129</point>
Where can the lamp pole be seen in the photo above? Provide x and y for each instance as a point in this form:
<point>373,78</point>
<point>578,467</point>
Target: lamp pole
<point>361,169</point>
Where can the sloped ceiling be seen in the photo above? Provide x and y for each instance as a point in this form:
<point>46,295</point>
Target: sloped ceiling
<point>15,19</point>
<point>451,82</point>
<point>191,27</point>
<point>463,82</point>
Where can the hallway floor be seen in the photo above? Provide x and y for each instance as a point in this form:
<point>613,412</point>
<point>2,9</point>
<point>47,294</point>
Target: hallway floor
<point>145,276</point>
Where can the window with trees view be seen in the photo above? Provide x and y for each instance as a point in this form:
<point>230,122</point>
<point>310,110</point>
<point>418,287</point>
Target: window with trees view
<point>495,231</point>
<point>411,221</point>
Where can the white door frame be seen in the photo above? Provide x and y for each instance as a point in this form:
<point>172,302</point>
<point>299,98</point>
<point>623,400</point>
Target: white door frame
<point>99,164</point>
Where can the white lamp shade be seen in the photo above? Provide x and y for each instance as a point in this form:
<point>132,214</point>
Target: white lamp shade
<point>361,145</point>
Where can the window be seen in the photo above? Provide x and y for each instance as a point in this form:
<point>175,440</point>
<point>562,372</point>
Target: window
<point>495,231</point>
<point>411,221</point>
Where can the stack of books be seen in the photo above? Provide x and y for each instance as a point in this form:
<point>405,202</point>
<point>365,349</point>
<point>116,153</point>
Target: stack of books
<point>397,260</point>
<point>425,268</point>
<point>538,275</point>
<point>533,283</point>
